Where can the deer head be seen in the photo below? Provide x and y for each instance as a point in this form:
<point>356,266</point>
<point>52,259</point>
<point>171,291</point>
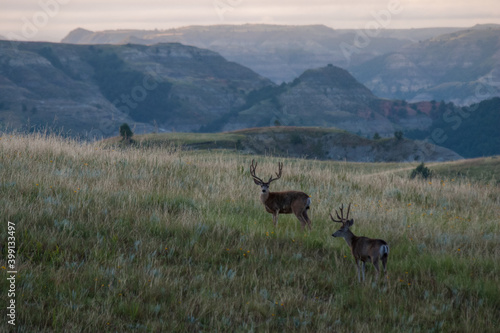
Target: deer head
<point>264,185</point>
<point>346,223</point>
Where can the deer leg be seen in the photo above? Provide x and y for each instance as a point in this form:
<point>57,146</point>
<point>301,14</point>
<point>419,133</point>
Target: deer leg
<point>363,269</point>
<point>306,218</point>
<point>301,220</point>
<point>357,266</point>
<point>275,219</point>
<point>384,264</point>
<point>375,264</point>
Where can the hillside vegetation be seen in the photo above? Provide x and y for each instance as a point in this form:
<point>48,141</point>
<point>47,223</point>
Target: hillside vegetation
<point>470,131</point>
<point>161,239</point>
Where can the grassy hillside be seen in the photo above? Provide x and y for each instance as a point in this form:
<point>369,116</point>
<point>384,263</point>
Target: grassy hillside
<point>480,169</point>
<point>165,240</point>
<point>185,140</point>
<point>289,141</point>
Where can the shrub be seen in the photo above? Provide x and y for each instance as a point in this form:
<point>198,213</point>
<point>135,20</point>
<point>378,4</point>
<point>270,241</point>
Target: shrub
<point>422,171</point>
<point>125,132</point>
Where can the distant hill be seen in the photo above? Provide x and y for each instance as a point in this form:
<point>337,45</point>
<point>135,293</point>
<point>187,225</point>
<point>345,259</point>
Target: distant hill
<point>308,142</point>
<point>449,64</point>
<point>91,90</point>
<point>329,97</point>
<point>279,52</point>
<point>462,67</point>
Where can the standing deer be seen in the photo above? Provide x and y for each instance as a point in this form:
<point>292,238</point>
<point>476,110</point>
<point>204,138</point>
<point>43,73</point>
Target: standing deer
<point>362,248</point>
<point>282,202</point>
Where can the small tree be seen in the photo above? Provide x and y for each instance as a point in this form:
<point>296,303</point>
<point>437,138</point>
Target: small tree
<point>376,136</point>
<point>125,132</point>
<point>398,135</point>
<point>422,171</point>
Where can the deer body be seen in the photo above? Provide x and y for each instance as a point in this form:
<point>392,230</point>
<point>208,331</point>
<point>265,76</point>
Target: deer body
<point>363,249</point>
<point>287,202</point>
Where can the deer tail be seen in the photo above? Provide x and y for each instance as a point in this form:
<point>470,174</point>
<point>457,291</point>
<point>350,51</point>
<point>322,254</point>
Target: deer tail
<point>308,204</point>
<point>384,250</point>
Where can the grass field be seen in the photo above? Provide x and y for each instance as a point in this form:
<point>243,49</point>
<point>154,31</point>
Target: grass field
<point>161,240</point>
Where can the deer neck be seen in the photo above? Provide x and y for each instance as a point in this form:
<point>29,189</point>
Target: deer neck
<point>350,238</point>
<point>264,197</point>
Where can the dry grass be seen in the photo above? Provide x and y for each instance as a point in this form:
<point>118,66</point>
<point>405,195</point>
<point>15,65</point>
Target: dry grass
<point>163,240</point>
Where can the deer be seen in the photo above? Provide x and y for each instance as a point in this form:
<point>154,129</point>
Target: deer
<point>362,248</point>
<point>286,202</point>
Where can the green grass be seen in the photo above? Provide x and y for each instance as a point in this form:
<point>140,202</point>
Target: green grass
<point>223,140</point>
<point>191,140</point>
<point>165,240</point>
<point>484,169</point>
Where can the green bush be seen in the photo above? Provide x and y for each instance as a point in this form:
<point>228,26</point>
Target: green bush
<point>125,132</point>
<point>422,171</point>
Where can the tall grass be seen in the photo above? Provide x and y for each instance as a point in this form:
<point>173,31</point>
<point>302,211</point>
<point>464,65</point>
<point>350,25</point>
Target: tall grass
<point>165,240</point>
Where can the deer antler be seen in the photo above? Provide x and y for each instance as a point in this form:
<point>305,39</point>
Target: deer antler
<point>334,220</point>
<point>253,166</point>
<point>348,210</point>
<point>340,217</point>
<point>278,174</point>
<point>252,172</point>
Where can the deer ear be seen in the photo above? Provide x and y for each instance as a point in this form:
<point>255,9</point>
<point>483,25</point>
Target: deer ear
<point>257,182</point>
<point>350,223</point>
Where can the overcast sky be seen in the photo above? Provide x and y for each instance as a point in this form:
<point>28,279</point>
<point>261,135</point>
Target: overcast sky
<point>32,20</point>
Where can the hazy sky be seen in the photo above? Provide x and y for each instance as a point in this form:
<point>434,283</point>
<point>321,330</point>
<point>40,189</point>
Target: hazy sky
<point>51,20</point>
